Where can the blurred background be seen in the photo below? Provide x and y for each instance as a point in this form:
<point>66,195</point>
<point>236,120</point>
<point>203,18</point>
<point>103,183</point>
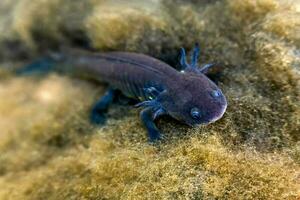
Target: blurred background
<point>49,150</point>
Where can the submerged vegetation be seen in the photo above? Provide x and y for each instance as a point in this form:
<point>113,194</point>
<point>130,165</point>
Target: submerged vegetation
<point>49,150</point>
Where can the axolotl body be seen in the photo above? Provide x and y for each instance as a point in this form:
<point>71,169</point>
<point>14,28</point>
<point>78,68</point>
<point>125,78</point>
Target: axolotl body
<point>187,95</point>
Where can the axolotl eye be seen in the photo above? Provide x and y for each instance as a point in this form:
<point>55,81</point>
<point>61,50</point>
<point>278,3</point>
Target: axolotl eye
<point>195,113</point>
<point>216,93</point>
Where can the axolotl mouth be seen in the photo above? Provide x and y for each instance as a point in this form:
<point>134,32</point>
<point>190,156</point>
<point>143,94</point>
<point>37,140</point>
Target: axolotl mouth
<point>222,111</point>
<point>211,120</point>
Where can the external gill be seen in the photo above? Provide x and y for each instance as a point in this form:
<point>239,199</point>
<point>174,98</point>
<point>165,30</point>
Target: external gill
<point>186,67</point>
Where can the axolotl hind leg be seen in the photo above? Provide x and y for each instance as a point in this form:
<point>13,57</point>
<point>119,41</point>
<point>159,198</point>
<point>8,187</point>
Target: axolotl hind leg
<point>100,108</point>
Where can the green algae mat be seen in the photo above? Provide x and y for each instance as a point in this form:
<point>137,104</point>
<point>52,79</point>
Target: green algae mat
<point>49,149</point>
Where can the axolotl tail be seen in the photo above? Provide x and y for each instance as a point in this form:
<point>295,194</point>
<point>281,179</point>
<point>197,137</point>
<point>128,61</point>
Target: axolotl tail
<point>62,63</point>
<point>57,62</point>
<point>39,67</point>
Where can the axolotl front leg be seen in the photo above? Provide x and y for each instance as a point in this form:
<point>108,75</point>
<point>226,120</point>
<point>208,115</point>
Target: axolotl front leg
<point>148,115</point>
<point>152,110</point>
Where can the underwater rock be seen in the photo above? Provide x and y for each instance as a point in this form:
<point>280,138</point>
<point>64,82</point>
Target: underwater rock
<point>49,150</point>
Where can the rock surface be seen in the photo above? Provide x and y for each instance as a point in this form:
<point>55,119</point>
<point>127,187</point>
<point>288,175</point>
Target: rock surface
<point>49,150</point>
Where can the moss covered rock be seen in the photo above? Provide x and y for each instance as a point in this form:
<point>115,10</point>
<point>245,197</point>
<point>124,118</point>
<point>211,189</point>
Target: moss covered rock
<point>49,150</point>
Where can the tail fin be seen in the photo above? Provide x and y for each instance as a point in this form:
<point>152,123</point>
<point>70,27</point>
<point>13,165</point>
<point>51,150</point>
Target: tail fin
<point>41,66</point>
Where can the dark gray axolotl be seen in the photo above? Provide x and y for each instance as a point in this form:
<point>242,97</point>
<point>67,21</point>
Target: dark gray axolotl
<point>187,95</point>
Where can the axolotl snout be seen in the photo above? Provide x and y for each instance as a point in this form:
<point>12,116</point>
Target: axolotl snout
<point>187,95</point>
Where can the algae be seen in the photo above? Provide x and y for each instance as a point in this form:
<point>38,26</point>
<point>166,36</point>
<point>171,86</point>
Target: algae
<point>49,150</point>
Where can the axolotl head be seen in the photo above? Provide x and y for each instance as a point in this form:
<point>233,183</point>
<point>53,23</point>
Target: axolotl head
<point>194,99</point>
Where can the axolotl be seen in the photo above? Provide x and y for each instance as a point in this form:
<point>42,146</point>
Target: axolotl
<point>187,95</point>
